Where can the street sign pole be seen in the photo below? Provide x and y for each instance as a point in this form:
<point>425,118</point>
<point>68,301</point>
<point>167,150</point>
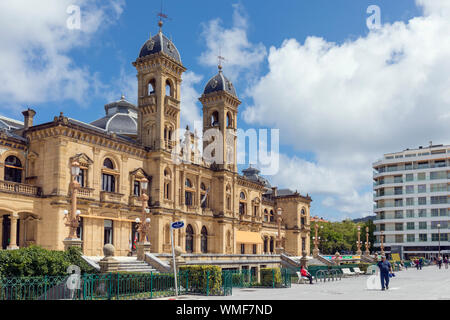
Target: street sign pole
<point>173,258</point>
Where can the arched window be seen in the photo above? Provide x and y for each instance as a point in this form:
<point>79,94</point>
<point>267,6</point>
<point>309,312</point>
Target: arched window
<point>108,164</point>
<point>189,239</point>
<point>13,169</point>
<point>215,119</point>
<point>188,183</point>
<point>242,204</point>
<point>151,87</point>
<point>229,120</point>
<point>272,216</point>
<point>204,240</point>
<point>167,184</point>
<point>168,89</point>
<point>108,179</point>
<point>266,215</point>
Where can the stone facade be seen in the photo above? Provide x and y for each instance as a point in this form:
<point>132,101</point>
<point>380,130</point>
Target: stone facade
<point>239,215</point>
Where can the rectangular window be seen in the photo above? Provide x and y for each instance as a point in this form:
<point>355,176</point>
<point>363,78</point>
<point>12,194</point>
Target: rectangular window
<point>443,224</point>
<point>422,188</point>
<point>408,166</point>
<point>410,177</point>
<point>108,183</point>
<point>422,225</point>
<point>421,176</point>
<point>435,237</point>
<point>398,190</point>
<point>423,237</point>
<point>423,165</point>
<point>254,249</point>
<point>81,178</point>
<point>303,243</point>
<point>410,226</point>
<point>398,202</point>
<point>136,188</point>
<point>382,227</point>
<point>108,232</point>
<point>399,238</point>
<point>410,213</point>
<point>398,226</point>
<point>409,189</point>
<point>444,236</point>
<point>422,213</point>
<point>434,212</point>
<point>410,238</point>
<point>443,212</point>
<point>437,175</point>
<point>398,214</point>
<point>398,179</point>
<point>409,201</point>
<point>422,200</point>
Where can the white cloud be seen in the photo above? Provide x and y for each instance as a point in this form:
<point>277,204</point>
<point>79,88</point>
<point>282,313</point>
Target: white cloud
<point>241,55</point>
<point>350,103</point>
<point>34,59</point>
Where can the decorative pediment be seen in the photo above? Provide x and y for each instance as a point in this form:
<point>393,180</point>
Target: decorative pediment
<point>82,158</point>
<point>139,174</point>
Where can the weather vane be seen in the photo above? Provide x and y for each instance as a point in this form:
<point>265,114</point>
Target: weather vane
<point>220,58</point>
<point>162,16</point>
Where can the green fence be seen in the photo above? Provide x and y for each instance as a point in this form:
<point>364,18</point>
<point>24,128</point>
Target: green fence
<point>276,278</point>
<point>112,286</point>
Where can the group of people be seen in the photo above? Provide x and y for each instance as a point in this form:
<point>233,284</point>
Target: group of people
<point>440,261</point>
<point>419,263</point>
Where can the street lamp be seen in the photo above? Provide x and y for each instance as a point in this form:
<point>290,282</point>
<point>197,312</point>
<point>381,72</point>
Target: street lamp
<point>73,217</point>
<point>279,213</point>
<point>316,239</point>
<point>367,252</point>
<point>439,235</point>
<point>359,242</point>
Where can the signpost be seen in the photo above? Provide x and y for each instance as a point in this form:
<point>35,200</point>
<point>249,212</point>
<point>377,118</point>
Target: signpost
<point>175,225</point>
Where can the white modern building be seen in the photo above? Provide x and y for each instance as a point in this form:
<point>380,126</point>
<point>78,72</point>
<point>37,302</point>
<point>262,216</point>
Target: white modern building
<point>412,201</point>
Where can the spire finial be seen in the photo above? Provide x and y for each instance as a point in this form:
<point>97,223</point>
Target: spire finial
<point>161,16</point>
<point>122,96</point>
<point>220,58</point>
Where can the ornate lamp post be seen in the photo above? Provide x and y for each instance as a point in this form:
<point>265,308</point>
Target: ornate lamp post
<point>73,217</point>
<point>279,248</point>
<point>359,242</point>
<point>367,252</point>
<point>143,228</point>
<point>316,239</point>
<point>381,242</point>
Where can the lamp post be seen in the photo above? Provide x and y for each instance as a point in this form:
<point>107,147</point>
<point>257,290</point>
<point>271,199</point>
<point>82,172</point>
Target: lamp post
<point>381,243</point>
<point>279,248</point>
<point>359,242</point>
<point>367,252</point>
<point>316,239</point>
<point>73,216</point>
<point>439,235</point>
<point>143,227</point>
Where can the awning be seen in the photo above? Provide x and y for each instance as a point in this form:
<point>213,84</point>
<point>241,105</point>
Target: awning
<point>248,237</point>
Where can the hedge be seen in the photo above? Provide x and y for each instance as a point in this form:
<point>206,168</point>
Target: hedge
<point>271,277</point>
<point>35,261</point>
<point>202,279</point>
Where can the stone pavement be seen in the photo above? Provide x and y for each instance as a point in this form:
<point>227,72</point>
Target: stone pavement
<point>430,283</point>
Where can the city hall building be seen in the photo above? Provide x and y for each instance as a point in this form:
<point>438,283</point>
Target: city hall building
<point>412,201</point>
<point>224,212</point>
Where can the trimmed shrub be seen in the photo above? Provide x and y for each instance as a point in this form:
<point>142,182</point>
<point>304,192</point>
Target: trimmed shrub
<point>202,279</point>
<point>35,261</point>
<point>271,277</point>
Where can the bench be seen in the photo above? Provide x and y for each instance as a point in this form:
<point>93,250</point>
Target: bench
<point>357,271</point>
<point>347,272</point>
<point>302,279</point>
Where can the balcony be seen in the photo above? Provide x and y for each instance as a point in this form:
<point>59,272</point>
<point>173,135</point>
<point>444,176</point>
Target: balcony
<point>110,197</point>
<point>134,201</point>
<point>86,193</point>
<point>148,100</point>
<point>19,188</point>
<point>171,102</point>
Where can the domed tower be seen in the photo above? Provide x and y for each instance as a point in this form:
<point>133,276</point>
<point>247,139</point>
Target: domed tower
<point>220,109</point>
<point>159,71</point>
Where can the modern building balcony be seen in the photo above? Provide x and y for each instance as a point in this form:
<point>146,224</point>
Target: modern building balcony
<point>20,188</point>
<point>385,161</point>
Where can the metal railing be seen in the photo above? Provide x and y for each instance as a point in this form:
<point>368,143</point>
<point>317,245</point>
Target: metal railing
<point>111,286</point>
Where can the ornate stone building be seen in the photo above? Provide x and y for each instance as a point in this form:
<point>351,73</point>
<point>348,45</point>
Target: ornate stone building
<point>238,214</point>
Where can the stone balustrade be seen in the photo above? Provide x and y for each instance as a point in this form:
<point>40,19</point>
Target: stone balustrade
<point>110,197</point>
<point>24,189</point>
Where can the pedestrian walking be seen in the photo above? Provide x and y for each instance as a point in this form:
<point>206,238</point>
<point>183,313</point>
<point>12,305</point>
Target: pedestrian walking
<point>416,262</point>
<point>439,262</point>
<point>385,269</point>
<point>420,263</point>
<point>446,262</point>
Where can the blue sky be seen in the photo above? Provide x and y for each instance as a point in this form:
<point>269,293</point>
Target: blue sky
<point>260,40</point>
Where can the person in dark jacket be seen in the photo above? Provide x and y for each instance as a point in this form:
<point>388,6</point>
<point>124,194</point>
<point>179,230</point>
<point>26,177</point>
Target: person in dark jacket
<point>385,268</point>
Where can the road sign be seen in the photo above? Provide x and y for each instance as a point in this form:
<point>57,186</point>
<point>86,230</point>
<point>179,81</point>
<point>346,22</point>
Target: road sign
<point>178,225</point>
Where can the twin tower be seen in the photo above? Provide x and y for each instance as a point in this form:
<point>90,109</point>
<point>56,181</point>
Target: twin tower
<point>159,71</point>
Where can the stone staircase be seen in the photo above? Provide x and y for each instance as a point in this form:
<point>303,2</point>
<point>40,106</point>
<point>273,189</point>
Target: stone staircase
<point>126,264</point>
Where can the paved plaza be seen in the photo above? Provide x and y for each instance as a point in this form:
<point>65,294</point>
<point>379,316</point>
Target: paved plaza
<point>430,283</point>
